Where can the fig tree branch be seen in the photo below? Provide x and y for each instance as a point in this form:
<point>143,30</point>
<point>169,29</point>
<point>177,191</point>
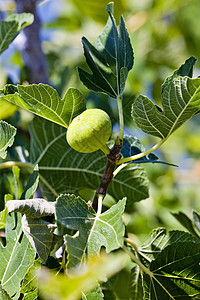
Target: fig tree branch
<point>107,177</point>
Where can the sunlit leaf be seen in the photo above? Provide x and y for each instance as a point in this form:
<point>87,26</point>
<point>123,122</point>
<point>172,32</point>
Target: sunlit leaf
<point>94,231</point>
<point>107,230</point>
<point>110,61</point>
<point>16,257</point>
<point>10,28</point>
<point>95,293</point>
<point>31,185</point>
<point>6,109</point>
<point>185,70</point>
<point>180,101</point>
<point>43,100</point>
<point>4,212</point>
<point>7,134</point>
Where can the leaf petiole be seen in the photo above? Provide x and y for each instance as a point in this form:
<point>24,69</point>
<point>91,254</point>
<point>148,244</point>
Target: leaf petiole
<point>137,261</point>
<point>10,164</point>
<point>121,118</point>
<point>139,155</point>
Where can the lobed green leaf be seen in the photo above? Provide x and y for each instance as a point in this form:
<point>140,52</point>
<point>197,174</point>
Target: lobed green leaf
<point>180,101</point>
<point>175,272</point>
<point>110,61</point>
<point>44,101</point>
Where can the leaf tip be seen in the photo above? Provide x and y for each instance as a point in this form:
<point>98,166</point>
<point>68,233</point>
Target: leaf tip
<point>110,7</point>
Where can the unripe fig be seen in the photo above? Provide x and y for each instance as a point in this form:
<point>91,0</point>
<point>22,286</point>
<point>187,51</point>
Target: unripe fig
<point>90,131</point>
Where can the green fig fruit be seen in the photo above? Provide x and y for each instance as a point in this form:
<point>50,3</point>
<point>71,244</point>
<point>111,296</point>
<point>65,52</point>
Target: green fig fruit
<point>90,131</point>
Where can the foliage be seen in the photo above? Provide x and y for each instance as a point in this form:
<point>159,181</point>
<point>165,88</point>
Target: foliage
<point>85,199</point>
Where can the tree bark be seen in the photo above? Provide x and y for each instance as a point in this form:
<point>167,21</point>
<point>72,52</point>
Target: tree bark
<point>32,53</point>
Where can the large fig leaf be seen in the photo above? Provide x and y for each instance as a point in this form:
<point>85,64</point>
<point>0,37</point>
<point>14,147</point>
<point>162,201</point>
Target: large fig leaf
<point>175,273</point>
<point>43,100</point>
<point>94,231</point>
<point>7,134</point>
<point>180,100</point>
<point>110,61</point>
<point>16,257</point>
<point>11,27</point>
<point>159,239</point>
<point>66,170</point>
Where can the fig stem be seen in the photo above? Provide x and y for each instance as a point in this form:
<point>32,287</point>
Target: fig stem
<point>107,177</point>
<point>121,118</point>
<point>105,149</point>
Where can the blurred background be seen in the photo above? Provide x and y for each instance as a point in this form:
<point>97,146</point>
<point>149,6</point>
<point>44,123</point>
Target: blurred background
<point>163,34</point>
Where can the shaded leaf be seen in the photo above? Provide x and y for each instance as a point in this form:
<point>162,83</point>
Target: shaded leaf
<point>196,218</point>
<point>48,140</point>
<point>10,28</point>
<point>83,280</point>
<point>175,272</point>
<point>132,146</point>
<point>35,208</point>
<point>160,239</point>
<point>186,222</point>
<point>14,267</point>
<point>136,284</point>
<point>39,234</point>
<point>7,134</point>
<point>43,100</point>
<point>76,246</point>
<point>73,213</point>
<point>180,100</point>
<point>110,61</point>
<point>29,288</point>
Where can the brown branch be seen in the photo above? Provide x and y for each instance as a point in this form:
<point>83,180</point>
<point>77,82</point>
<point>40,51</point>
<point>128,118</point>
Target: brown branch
<point>32,53</point>
<point>107,177</point>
